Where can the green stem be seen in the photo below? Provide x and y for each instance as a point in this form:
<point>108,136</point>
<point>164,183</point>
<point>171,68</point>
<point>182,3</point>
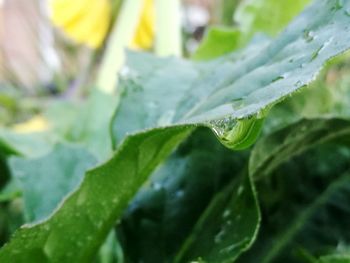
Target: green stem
<point>168,28</point>
<point>121,35</point>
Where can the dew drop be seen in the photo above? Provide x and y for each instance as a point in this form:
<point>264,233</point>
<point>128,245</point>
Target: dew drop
<point>240,190</point>
<point>229,248</point>
<point>220,236</point>
<point>308,36</point>
<point>277,79</point>
<point>156,186</point>
<point>318,51</point>
<point>226,214</point>
<point>298,83</point>
<point>179,193</point>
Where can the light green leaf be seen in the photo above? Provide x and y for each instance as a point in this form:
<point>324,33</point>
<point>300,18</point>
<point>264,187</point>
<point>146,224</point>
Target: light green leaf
<point>86,123</point>
<point>47,180</point>
<point>267,16</point>
<point>218,41</point>
<point>31,144</point>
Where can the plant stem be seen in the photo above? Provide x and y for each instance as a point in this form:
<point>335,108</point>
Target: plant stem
<point>121,35</point>
<point>168,28</point>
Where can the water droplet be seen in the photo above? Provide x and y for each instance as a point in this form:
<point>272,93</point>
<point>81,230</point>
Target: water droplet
<point>222,126</point>
<point>180,193</point>
<point>240,190</point>
<point>277,79</point>
<point>347,12</point>
<point>226,214</point>
<point>157,186</point>
<point>308,35</point>
<point>229,248</point>
<point>318,51</point>
<point>220,236</point>
<point>298,83</point>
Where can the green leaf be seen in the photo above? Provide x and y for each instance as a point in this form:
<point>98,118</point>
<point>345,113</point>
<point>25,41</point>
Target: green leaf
<point>29,144</point>
<point>85,123</point>
<point>218,41</point>
<point>338,258</point>
<point>76,230</point>
<point>273,150</point>
<point>178,194</point>
<point>328,96</point>
<point>10,191</point>
<point>174,96</point>
<point>268,16</point>
<point>52,176</point>
<point>159,92</point>
<point>313,178</point>
<point>227,228</point>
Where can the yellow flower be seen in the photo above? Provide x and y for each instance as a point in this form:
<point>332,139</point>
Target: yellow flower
<point>144,34</point>
<point>36,124</point>
<point>87,21</point>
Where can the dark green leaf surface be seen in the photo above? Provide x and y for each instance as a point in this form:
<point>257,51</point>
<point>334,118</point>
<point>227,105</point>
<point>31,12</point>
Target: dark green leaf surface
<point>227,228</point>
<point>176,197</point>
<point>271,151</point>
<point>337,258</point>
<point>313,178</point>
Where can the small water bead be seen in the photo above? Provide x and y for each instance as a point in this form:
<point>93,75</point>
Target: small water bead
<point>277,79</point>
<point>226,214</point>
<point>240,190</point>
<point>308,36</point>
<point>180,193</point>
<point>347,12</point>
<point>157,186</point>
<point>298,83</point>
<point>220,236</point>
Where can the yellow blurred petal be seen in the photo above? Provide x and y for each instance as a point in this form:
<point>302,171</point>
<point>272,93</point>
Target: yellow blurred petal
<point>63,12</point>
<point>36,124</point>
<point>144,35</point>
<point>85,21</point>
